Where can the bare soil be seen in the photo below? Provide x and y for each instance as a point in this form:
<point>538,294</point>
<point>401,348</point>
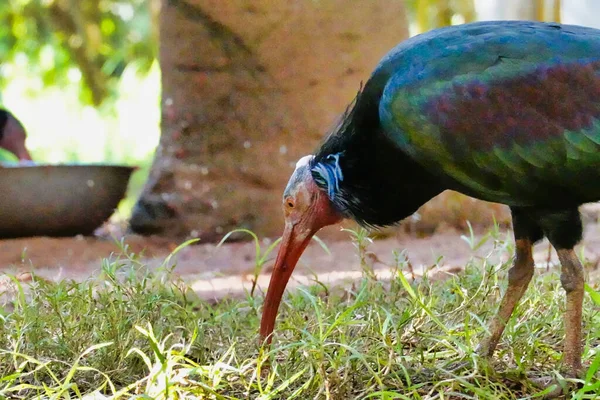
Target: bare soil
<point>215,272</point>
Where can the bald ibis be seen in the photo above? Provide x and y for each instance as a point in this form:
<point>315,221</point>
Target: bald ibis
<point>503,111</point>
<point>13,135</point>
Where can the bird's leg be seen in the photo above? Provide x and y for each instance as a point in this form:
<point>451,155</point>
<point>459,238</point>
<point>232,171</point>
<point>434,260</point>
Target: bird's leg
<point>519,277</point>
<point>572,280</point>
<point>564,230</point>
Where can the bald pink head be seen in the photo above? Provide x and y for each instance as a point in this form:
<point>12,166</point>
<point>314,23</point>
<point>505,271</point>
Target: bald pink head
<point>306,209</point>
<point>13,136</point>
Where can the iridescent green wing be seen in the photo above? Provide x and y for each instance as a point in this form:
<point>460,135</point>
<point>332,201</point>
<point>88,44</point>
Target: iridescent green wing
<point>505,114</point>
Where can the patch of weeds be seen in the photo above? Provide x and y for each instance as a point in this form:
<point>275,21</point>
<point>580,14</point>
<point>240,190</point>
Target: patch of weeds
<point>133,334</point>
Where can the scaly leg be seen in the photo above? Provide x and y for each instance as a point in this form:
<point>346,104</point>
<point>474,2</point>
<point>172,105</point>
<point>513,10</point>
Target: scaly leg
<point>519,277</point>
<point>572,280</point>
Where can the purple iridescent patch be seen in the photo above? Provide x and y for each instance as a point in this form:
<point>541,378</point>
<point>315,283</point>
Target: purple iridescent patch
<point>524,109</point>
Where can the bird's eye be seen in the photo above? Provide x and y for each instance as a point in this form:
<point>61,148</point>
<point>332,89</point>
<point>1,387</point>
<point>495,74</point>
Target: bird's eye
<point>289,203</point>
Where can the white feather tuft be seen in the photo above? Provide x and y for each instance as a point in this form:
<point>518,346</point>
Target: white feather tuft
<point>304,161</point>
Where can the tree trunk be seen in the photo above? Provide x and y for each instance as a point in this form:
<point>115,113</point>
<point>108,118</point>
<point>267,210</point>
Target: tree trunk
<point>248,88</point>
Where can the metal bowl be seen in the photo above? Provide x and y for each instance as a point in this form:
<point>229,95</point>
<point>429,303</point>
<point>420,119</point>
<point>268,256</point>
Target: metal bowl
<point>59,200</point>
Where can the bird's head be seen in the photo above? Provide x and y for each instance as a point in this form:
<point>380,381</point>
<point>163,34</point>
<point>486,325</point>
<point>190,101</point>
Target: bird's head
<point>307,208</point>
<point>12,136</point>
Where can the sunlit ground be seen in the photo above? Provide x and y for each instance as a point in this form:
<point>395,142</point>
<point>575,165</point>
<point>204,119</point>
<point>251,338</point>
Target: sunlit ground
<point>62,130</point>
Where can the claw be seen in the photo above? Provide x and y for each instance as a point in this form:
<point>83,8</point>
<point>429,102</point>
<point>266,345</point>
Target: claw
<point>557,385</point>
<point>553,385</point>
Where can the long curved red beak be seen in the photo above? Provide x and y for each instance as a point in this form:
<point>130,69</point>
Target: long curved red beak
<point>293,244</point>
<point>313,212</point>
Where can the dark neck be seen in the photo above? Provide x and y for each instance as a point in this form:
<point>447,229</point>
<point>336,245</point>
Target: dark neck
<point>3,120</point>
<point>367,177</point>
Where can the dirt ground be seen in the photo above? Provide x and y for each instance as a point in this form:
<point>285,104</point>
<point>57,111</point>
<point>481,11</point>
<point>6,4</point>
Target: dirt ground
<point>226,271</point>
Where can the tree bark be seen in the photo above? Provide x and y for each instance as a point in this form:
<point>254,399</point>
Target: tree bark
<point>248,88</point>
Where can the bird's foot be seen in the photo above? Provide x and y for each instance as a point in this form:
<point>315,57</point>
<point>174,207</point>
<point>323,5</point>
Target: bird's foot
<point>552,385</point>
<point>483,349</point>
<point>558,384</point>
<point>485,364</point>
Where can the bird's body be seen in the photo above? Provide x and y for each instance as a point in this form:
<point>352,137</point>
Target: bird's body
<point>509,111</point>
<point>504,111</point>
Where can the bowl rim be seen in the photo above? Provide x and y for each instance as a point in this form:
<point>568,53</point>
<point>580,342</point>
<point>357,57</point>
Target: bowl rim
<point>67,166</point>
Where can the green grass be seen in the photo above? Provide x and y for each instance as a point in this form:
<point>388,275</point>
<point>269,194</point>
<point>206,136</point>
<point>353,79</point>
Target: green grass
<point>129,333</point>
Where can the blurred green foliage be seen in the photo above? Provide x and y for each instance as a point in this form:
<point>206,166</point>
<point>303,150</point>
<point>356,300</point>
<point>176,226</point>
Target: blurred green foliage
<point>8,157</point>
<point>431,14</point>
<point>85,41</point>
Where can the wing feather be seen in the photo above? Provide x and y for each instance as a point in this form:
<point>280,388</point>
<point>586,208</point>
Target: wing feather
<point>504,112</point>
